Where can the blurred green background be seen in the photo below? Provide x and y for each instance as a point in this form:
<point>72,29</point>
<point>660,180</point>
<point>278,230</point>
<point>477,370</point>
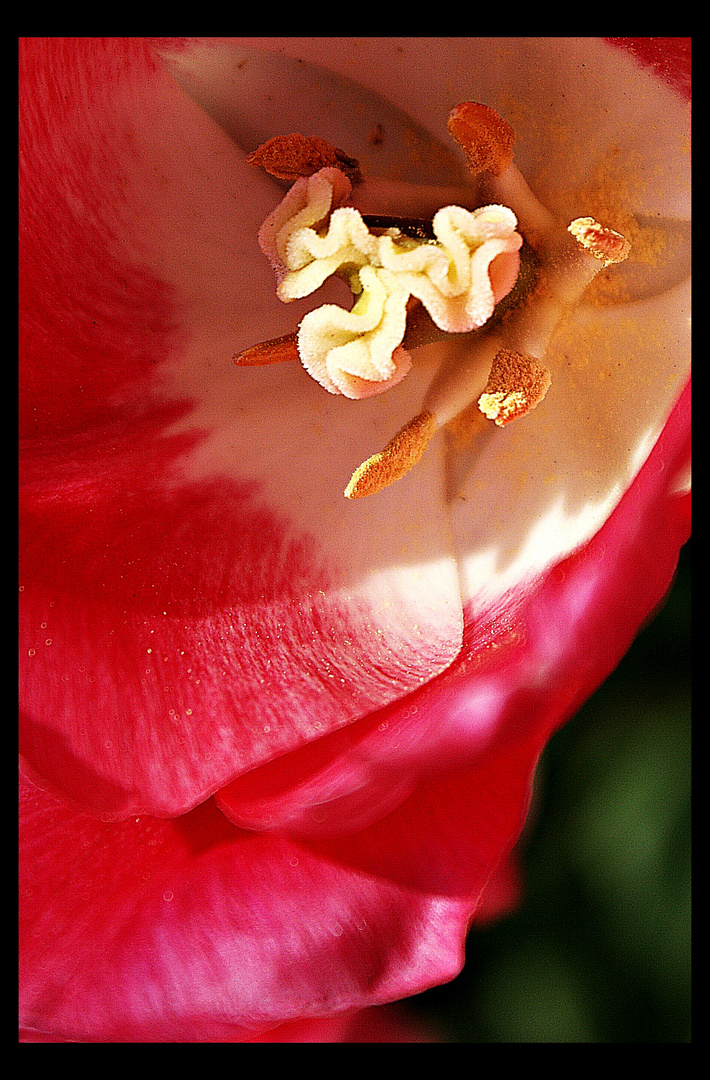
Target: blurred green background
<point>599,951</point>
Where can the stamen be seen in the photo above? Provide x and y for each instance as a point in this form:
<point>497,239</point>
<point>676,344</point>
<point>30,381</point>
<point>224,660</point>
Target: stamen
<point>500,366</point>
<point>510,351</point>
<point>487,141</point>
<point>516,384</point>
<point>290,156</point>
<point>398,457</point>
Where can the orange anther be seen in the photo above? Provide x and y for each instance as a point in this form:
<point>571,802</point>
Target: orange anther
<point>269,352</point>
<point>600,241</point>
<point>290,156</point>
<point>484,136</point>
<point>516,384</point>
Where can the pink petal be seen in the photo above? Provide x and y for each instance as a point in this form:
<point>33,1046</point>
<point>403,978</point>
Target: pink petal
<point>189,566</point>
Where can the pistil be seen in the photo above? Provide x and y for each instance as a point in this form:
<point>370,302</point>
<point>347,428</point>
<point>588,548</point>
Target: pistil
<point>458,273</point>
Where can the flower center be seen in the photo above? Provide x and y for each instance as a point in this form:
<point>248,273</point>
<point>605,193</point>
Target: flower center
<point>446,277</point>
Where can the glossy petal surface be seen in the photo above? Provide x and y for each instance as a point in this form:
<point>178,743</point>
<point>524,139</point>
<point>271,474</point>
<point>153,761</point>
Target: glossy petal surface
<point>210,933</point>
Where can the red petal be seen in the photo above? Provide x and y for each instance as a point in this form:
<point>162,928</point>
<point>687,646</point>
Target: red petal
<point>670,58</point>
<point>212,934</point>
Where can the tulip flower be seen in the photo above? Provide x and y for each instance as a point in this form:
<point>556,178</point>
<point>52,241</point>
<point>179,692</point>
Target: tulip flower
<point>277,744</point>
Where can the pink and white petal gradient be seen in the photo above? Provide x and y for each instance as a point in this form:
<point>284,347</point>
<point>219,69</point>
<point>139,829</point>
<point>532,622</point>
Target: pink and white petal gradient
<point>364,689</point>
<point>197,596</point>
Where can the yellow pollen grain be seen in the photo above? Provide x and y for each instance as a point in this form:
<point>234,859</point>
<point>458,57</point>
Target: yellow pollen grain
<point>516,384</point>
<point>400,455</point>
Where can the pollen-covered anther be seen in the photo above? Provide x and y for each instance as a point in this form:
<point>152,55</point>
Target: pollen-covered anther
<point>289,157</point>
<point>516,384</point>
<point>400,455</point>
<point>484,136</point>
<point>600,241</point>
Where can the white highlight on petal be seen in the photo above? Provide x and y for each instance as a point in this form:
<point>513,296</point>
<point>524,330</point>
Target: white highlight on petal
<point>358,353</point>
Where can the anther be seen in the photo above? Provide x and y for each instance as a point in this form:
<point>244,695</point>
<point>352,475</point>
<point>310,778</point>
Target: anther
<point>289,156</point>
<point>600,241</point>
<point>485,137</point>
<point>400,455</point>
<point>276,351</point>
<point>516,384</point>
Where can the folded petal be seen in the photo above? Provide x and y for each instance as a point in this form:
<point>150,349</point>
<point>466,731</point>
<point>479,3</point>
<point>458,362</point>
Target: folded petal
<point>191,930</point>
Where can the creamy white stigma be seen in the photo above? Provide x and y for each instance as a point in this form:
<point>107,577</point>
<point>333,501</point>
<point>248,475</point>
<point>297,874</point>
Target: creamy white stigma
<point>311,235</point>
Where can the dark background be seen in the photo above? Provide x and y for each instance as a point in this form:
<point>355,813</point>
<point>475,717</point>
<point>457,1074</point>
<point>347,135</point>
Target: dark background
<point>599,950</point>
